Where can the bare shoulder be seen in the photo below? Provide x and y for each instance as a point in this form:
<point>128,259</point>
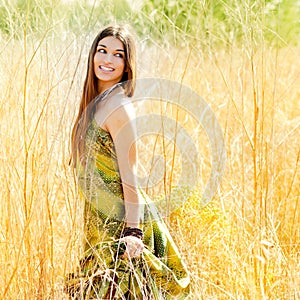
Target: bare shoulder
<point>117,107</point>
<point>120,100</point>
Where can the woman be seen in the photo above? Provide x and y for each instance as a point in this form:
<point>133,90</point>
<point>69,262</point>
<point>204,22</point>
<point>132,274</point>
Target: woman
<point>129,253</point>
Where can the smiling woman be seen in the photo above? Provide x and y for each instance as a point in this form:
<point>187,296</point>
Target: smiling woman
<point>109,62</point>
<point>129,253</point>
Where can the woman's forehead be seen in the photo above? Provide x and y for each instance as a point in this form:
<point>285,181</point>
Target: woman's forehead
<point>111,42</point>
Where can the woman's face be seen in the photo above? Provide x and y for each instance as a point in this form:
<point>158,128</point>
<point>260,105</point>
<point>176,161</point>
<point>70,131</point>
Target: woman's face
<point>109,62</point>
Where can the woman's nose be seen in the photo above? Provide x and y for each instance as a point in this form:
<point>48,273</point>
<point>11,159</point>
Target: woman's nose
<point>108,58</point>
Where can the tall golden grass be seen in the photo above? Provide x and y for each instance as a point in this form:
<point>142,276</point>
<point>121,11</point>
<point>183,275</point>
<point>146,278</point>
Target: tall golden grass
<point>243,245</point>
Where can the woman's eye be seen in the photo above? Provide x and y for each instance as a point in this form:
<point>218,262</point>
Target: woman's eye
<point>101,50</point>
<point>119,55</point>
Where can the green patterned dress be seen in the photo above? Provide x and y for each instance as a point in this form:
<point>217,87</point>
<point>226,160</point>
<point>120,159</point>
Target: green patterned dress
<point>158,273</point>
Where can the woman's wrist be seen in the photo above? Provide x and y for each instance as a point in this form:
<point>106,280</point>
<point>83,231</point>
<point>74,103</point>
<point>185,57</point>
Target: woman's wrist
<point>132,231</point>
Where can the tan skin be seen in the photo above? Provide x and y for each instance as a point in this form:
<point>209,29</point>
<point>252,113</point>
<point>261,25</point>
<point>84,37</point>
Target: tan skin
<point>116,115</point>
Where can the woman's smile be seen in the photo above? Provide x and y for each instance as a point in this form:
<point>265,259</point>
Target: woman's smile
<point>106,69</point>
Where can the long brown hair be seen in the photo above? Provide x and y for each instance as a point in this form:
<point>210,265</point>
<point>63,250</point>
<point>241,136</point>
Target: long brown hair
<point>90,88</point>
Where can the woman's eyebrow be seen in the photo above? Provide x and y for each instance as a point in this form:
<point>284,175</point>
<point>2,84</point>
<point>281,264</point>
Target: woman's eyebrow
<point>101,45</point>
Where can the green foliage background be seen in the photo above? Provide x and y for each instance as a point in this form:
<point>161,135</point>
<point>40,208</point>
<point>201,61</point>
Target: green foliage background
<point>208,22</point>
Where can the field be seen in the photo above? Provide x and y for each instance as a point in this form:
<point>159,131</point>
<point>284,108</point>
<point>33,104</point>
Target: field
<point>242,59</point>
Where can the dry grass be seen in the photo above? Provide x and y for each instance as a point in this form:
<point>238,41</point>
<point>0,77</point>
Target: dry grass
<point>243,245</point>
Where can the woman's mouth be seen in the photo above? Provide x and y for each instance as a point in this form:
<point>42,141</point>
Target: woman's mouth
<point>106,69</point>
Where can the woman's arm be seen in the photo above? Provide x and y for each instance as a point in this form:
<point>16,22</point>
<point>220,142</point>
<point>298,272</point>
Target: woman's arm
<point>120,123</point>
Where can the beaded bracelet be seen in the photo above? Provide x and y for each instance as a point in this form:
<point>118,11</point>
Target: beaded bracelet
<point>132,231</point>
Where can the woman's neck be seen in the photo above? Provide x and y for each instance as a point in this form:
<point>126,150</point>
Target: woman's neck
<point>102,86</point>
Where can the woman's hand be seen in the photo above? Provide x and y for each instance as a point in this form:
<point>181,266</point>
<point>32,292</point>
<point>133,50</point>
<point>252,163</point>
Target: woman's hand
<point>134,246</point>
